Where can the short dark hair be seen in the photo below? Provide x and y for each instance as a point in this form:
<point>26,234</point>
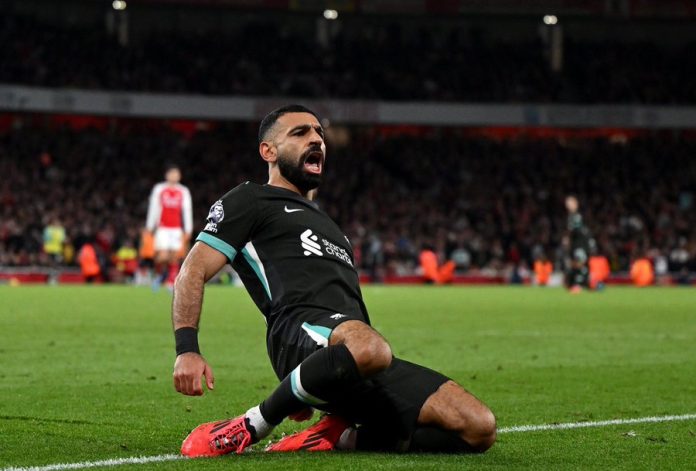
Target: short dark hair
<point>171,166</point>
<point>270,119</point>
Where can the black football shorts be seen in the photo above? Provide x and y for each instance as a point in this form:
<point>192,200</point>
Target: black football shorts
<point>391,400</point>
<point>294,337</point>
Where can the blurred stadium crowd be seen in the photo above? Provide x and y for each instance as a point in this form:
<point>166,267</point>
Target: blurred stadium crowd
<point>490,205</point>
<point>447,63</point>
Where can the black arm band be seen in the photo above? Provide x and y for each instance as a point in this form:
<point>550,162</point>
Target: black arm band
<point>186,340</point>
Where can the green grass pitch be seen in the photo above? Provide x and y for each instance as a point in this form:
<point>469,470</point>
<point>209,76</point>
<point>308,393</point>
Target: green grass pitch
<point>85,374</point>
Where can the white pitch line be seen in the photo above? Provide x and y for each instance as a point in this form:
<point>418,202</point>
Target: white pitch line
<point>102,463</point>
<point>601,423</point>
<point>515,429</point>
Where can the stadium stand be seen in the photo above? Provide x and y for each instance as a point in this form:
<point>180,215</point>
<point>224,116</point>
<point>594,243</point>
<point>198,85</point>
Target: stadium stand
<point>491,205</point>
<point>443,63</point>
<point>489,201</point>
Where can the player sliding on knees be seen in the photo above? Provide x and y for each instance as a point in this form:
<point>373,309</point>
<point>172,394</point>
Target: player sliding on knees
<point>297,265</point>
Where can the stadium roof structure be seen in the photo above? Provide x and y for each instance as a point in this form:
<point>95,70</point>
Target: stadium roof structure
<point>621,8</point>
<point>633,9</point>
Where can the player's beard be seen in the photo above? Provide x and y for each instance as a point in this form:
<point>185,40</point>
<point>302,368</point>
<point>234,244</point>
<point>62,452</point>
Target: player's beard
<point>295,173</point>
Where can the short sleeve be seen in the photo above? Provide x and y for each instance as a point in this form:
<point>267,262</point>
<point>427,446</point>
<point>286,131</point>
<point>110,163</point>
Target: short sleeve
<point>230,221</point>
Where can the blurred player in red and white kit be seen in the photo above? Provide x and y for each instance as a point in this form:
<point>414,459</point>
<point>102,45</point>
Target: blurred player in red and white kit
<point>170,218</point>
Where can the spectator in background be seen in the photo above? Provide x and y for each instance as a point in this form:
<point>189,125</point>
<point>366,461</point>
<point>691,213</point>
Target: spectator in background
<point>146,253</point>
<point>461,257</point>
<point>642,273</point>
<point>53,240</point>
<point>661,267</point>
<point>126,260</point>
<point>374,257</point>
<point>433,272</point>
<point>68,251</point>
<point>543,268</point>
<point>89,262</point>
<point>599,271</point>
<point>679,256</point>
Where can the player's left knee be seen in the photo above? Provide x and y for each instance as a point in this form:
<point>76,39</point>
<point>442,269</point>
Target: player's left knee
<point>372,356</point>
<point>368,348</point>
<point>481,432</point>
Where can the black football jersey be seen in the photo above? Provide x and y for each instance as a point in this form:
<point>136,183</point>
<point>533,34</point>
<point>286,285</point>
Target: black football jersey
<point>290,255</point>
<point>580,236</point>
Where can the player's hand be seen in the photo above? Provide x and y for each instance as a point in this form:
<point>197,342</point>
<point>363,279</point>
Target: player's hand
<point>301,416</point>
<point>189,370</point>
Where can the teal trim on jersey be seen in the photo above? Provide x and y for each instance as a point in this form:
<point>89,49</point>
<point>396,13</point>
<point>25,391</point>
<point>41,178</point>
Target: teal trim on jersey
<point>300,392</point>
<point>324,332</point>
<point>253,260</point>
<point>220,245</point>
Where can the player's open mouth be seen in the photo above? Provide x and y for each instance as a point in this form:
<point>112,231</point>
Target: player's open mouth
<point>313,162</point>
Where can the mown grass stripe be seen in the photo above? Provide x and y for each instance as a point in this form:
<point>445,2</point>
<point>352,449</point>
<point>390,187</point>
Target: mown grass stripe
<point>514,429</point>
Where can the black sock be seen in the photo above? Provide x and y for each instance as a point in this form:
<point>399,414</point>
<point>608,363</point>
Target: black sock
<point>437,440</point>
<point>423,440</point>
<point>571,277</point>
<point>371,438</point>
<point>321,377</point>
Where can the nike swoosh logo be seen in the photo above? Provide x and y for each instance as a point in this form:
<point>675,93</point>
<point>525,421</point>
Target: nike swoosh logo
<point>292,210</point>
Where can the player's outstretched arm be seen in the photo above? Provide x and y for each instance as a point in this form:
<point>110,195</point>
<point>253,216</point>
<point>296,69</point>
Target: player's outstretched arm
<point>201,264</point>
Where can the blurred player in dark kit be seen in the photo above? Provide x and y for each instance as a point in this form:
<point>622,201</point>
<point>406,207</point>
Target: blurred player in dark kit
<point>580,244</point>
